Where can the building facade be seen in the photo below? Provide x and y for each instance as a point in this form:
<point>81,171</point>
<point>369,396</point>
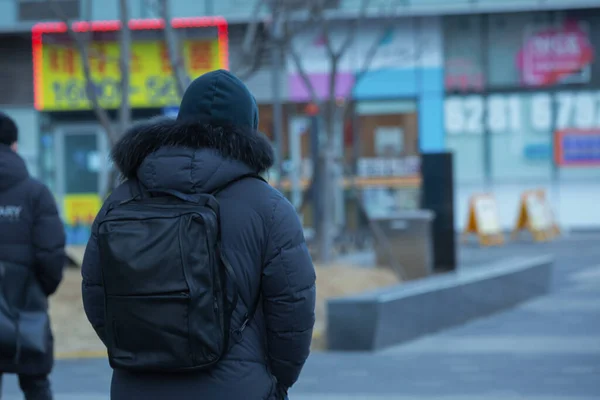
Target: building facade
<point>520,88</point>
<point>493,87</point>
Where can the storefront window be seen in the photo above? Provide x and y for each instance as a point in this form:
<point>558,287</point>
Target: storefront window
<point>464,137</point>
<point>463,52</point>
<point>578,135</point>
<point>389,147</point>
<point>540,50</point>
<point>48,161</point>
<point>521,128</point>
<point>520,78</point>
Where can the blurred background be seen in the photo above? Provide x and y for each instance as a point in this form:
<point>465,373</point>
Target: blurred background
<point>397,124</point>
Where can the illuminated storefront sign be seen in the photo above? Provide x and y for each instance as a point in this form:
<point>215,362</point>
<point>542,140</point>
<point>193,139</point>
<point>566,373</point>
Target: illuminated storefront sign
<point>60,82</point>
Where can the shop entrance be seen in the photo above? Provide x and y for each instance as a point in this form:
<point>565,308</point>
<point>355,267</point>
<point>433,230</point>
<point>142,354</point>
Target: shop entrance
<point>81,154</point>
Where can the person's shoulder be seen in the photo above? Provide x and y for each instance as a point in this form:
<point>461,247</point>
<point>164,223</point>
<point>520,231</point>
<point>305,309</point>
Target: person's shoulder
<point>36,187</point>
<point>276,204</point>
<point>264,194</point>
<point>256,195</point>
<point>123,191</point>
<point>38,194</point>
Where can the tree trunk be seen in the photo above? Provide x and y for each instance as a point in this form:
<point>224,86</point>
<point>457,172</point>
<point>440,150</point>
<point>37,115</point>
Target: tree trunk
<point>327,229</point>
<point>124,66</point>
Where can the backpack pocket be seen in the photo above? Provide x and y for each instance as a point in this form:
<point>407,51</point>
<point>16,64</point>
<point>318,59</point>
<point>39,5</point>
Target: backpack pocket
<point>150,331</point>
<point>162,287</point>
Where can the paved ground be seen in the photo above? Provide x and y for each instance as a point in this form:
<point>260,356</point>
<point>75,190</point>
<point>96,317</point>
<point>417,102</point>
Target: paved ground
<point>546,349</point>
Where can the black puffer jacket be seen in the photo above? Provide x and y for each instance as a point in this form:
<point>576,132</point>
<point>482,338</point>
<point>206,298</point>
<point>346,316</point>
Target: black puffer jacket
<point>262,238</point>
<point>31,236</point>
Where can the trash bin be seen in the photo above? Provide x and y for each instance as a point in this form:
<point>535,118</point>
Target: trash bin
<point>409,237</point>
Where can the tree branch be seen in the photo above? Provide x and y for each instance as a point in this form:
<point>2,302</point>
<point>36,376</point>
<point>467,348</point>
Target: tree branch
<point>90,87</point>
<point>124,66</point>
<point>256,62</point>
<point>352,34</point>
<point>374,49</point>
<point>317,15</point>
<point>252,28</point>
<point>173,49</point>
<point>303,75</point>
<point>289,40</point>
<point>250,59</point>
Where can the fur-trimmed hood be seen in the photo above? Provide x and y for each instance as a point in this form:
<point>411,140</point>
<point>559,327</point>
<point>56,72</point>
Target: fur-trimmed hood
<point>165,152</point>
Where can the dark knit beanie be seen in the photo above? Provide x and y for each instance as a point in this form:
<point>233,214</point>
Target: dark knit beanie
<point>219,97</point>
<point>8,130</point>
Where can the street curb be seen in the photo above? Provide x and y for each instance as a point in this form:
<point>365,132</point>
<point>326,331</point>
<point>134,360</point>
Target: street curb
<point>97,354</point>
<point>381,318</point>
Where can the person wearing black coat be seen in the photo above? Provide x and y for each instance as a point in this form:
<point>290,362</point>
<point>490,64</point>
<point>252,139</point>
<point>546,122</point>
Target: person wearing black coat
<point>32,259</point>
<point>214,140</point>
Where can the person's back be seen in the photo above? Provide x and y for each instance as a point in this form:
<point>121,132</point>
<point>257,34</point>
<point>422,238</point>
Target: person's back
<point>213,142</point>
<point>32,258</point>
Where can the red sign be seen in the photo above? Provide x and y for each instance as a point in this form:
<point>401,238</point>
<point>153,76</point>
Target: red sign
<point>553,54</point>
<point>463,74</point>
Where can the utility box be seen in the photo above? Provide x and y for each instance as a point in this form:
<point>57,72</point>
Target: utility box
<point>408,234</point>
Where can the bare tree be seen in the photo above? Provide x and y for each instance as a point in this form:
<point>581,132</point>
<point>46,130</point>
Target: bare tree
<point>253,45</point>
<point>312,15</point>
<point>174,48</point>
<point>82,42</point>
<point>124,66</point>
<point>333,109</point>
<point>82,37</point>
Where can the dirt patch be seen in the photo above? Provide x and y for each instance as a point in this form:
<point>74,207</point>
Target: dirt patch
<point>341,280</point>
<point>73,333</point>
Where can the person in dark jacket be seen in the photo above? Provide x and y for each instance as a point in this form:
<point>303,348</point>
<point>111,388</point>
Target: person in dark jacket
<point>32,257</point>
<point>214,140</point>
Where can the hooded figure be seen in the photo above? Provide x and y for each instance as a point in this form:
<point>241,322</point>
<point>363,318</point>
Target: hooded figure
<point>214,140</point>
<point>32,258</point>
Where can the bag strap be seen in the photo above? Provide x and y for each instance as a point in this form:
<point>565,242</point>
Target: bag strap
<point>254,175</point>
<point>250,310</point>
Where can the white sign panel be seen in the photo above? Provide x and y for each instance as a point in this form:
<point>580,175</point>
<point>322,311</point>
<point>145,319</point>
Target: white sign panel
<point>381,167</point>
<point>389,141</point>
<point>540,214</point>
<point>410,43</point>
<point>487,215</point>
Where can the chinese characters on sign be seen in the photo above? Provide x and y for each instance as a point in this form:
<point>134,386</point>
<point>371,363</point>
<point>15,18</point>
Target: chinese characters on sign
<point>151,83</point>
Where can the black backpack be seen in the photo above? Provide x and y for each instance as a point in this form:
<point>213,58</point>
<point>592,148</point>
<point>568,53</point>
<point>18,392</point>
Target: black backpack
<point>169,292</point>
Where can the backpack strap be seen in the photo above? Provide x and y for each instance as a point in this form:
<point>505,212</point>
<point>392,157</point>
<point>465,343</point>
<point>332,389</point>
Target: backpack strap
<point>250,310</point>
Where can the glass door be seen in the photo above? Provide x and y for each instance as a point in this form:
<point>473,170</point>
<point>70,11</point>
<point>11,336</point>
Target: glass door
<point>81,175</point>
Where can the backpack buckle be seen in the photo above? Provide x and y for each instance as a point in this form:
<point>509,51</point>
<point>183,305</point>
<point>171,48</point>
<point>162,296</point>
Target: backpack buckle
<point>237,333</point>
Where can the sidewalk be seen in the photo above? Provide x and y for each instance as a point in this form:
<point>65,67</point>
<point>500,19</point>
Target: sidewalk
<point>547,349</point>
